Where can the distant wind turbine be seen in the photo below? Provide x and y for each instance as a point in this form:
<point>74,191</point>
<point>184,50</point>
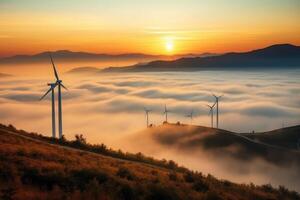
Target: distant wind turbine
<point>166,112</point>
<point>59,84</point>
<point>51,89</point>
<point>191,116</point>
<point>211,112</point>
<point>217,103</point>
<point>147,115</point>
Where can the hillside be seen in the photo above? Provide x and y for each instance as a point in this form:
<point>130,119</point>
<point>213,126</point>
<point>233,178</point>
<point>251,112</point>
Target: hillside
<point>272,147</point>
<point>37,167</point>
<point>286,137</point>
<point>275,56</point>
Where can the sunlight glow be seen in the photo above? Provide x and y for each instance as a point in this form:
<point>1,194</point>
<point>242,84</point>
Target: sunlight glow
<point>169,45</point>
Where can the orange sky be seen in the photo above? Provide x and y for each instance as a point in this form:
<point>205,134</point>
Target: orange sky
<point>153,27</point>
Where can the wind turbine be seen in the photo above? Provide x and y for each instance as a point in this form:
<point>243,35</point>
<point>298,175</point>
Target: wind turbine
<point>59,84</point>
<point>217,103</point>
<point>147,115</point>
<point>211,112</point>
<point>166,113</point>
<point>191,116</point>
<point>51,89</point>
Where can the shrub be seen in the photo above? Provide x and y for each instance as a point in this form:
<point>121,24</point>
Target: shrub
<point>212,195</point>
<point>154,172</point>
<point>123,172</point>
<point>93,190</point>
<point>81,177</point>
<point>188,177</point>
<point>173,176</point>
<point>79,141</point>
<point>6,172</point>
<point>160,192</point>
<point>200,186</point>
<point>127,192</point>
<point>227,183</point>
<point>8,194</point>
<point>21,152</point>
<point>267,188</point>
<point>172,165</point>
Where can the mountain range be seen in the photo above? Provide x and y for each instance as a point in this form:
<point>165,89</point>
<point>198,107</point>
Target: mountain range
<point>71,56</point>
<point>275,56</point>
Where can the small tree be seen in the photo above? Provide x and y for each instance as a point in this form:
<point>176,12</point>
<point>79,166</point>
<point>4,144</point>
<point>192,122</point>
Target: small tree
<point>79,139</point>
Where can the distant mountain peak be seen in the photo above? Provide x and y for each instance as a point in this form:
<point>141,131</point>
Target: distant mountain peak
<point>275,56</point>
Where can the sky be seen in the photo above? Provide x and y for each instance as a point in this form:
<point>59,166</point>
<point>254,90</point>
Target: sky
<point>152,27</point>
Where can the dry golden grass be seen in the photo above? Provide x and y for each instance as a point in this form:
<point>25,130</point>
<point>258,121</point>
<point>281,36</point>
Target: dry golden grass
<point>39,170</point>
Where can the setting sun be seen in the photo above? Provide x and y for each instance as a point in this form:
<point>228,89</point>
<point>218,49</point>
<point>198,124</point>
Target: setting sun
<point>169,45</point>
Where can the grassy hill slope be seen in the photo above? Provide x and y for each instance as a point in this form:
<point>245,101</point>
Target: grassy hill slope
<point>235,145</point>
<point>36,167</point>
<point>285,137</point>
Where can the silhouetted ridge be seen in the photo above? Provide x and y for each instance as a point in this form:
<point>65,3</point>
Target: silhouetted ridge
<point>275,56</point>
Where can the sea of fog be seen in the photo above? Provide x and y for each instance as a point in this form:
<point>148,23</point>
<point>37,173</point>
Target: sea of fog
<point>109,108</point>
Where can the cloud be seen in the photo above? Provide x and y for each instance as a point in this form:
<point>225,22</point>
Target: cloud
<point>268,110</point>
<point>28,97</point>
<point>139,83</point>
<point>102,89</point>
<point>94,88</point>
<point>235,90</point>
<point>20,88</point>
<point>176,95</point>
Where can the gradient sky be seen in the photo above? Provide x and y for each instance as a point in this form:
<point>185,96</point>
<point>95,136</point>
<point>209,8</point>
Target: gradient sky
<point>156,26</point>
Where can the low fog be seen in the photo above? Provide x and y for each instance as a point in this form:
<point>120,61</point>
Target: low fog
<point>222,161</point>
<point>108,108</point>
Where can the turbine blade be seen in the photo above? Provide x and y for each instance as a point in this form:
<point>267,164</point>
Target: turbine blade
<point>55,72</point>
<point>213,94</point>
<point>214,104</point>
<point>63,86</point>
<point>45,94</point>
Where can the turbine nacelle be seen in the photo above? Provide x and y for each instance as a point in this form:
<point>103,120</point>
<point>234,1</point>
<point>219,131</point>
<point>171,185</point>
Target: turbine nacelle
<point>52,85</point>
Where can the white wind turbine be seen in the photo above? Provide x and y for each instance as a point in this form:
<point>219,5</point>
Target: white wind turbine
<point>59,84</point>
<point>166,113</point>
<point>51,89</point>
<point>191,116</point>
<point>217,103</point>
<point>211,112</point>
<point>147,115</point>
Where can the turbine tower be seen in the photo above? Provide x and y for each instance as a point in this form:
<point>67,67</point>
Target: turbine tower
<point>217,103</point>
<point>211,112</point>
<point>191,116</point>
<point>51,89</point>
<point>59,84</point>
<point>166,113</point>
<point>147,115</point>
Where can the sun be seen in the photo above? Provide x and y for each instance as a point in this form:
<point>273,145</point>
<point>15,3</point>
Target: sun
<point>169,45</point>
